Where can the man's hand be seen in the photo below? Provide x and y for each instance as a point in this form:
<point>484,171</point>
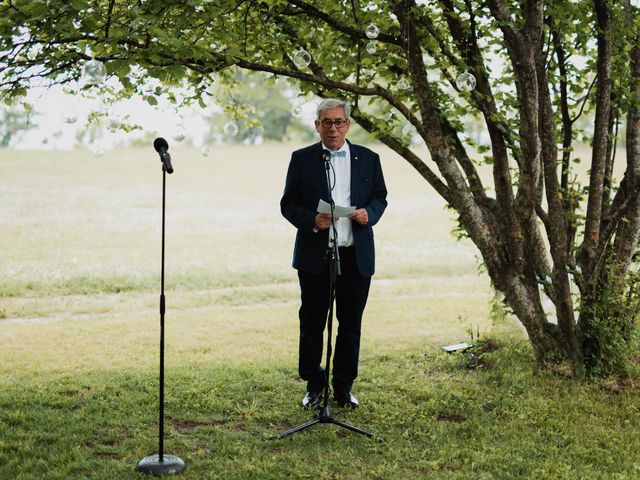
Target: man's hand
<point>360,215</point>
<point>323,221</point>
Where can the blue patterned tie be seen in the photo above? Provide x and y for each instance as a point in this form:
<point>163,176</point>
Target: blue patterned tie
<point>340,153</point>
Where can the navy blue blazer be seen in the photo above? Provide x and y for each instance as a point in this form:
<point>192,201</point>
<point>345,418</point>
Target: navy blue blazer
<point>307,183</point>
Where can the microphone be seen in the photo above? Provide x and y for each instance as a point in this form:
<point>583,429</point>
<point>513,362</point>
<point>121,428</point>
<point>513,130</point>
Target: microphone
<point>326,155</point>
<point>161,146</point>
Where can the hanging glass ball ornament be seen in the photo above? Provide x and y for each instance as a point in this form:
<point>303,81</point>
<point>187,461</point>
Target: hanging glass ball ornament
<point>403,84</point>
<point>372,31</point>
<point>302,58</point>
<point>114,123</point>
<point>231,129</point>
<point>296,110</point>
<point>180,135</point>
<point>70,116</point>
<point>97,150</point>
<point>151,89</point>
<point>409,130</point>
<point>93,72</point>
<point>371,47</point>
<point>466,82</point>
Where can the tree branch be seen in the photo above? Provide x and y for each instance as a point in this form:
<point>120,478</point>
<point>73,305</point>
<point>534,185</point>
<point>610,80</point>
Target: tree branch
<point>109,13</point>
<point>393,143</point>
<point>314,12</point>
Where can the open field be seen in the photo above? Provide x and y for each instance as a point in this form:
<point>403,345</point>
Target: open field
<point>79,285</point>
<point>81,245</point>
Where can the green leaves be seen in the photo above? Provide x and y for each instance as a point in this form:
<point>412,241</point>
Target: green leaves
<point>79,5</point>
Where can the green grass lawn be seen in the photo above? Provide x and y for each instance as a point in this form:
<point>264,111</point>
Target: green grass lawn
<point>79,286</point>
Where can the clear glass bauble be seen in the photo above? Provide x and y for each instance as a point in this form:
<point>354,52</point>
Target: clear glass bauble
<point>70,116</point>
<point>97,150</point>
<point>231,129</point>
<point>301,58</point>
<point>466,82</point>
<point>114,123</point>
<point>93,72</point>
<point>409,130</point>
<point>180,135</point>
<point>403,84</point>
<point>372,31</point>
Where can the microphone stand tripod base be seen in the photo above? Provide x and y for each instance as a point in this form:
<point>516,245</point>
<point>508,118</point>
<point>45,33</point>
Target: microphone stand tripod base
<point>169,465</point>
<point>323,416</point>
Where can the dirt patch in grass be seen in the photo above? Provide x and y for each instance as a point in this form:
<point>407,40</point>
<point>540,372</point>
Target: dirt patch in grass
<point>451,417</point>
<point>616,385</point>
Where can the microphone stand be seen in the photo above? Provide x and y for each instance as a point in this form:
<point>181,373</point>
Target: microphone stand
<point>161,464</point>
<point>324,413</point>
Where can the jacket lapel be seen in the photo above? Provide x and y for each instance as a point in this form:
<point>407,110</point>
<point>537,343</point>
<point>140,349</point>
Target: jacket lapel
<point>355,173</point>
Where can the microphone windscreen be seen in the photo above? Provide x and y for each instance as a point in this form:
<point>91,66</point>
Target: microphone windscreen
<point>160,143</point>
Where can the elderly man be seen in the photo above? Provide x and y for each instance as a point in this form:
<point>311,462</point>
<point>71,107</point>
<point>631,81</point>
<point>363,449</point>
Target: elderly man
<point>356,180</point>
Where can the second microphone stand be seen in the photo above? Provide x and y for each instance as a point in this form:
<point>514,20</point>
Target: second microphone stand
<point>324,413</point>
<point>161,464</point>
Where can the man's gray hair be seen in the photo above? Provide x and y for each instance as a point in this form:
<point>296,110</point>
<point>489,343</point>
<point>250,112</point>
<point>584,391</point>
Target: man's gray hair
<point>329,103</point>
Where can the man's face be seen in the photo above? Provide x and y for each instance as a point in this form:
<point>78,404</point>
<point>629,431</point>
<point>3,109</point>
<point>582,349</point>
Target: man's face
<point>333,136</point>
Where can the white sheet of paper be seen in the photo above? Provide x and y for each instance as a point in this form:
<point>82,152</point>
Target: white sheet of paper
<point>324,207</point>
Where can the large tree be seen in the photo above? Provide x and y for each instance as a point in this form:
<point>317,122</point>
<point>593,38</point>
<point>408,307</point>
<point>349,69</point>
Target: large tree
<point>540,69</point>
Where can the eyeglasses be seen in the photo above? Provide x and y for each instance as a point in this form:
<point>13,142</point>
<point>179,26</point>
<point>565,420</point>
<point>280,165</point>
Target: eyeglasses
<point>326,123</point>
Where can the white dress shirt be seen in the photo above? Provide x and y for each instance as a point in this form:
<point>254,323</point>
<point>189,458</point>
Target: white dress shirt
<point>341,193</point>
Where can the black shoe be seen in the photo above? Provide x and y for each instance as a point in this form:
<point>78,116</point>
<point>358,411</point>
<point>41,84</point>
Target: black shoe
<point>311,399</point>
<point>346,399</point>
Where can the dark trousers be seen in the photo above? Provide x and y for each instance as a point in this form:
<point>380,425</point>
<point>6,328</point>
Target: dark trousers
<point>352,290</point>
